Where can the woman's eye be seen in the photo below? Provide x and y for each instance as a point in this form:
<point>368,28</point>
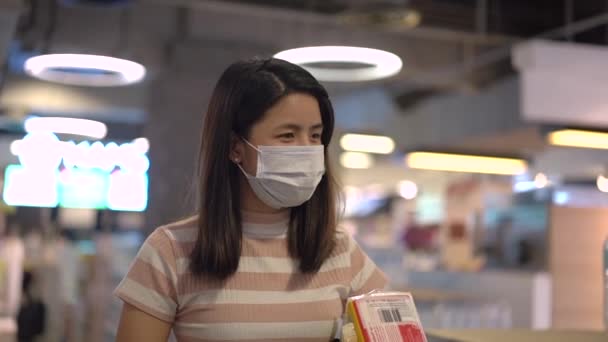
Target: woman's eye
<point>287,136</point>
<point>316,136</point>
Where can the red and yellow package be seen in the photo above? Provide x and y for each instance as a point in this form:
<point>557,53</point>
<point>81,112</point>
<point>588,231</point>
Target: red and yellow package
<point>385,316</point>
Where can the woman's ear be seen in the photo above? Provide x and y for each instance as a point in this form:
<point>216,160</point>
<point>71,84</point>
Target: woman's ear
<point>236,149</point>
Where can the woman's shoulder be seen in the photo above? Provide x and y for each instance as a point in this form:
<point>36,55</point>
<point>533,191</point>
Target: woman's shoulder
<point>180,235</point>
<point>183,230</point>
<point>344,241</point>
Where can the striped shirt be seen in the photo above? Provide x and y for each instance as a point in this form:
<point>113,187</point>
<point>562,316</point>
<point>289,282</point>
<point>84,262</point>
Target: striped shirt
<point>267,299</point>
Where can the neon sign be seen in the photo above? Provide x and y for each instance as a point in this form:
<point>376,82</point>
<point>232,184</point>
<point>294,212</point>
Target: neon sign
<point>84,175</point>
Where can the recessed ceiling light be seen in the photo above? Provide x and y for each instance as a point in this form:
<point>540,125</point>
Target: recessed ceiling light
<point>465,163</point>
<point>376,64</point>
<point>367,143</point>
<point>86,70</point>
<point>356,160</point>
<point>579,138</point>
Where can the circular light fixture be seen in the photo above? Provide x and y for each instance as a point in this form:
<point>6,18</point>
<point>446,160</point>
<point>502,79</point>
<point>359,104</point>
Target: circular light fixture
<point>376,64</point>
<point>602,183</point>
<point>86,70</point>
<point>541,180</point>
<point>407,189</point>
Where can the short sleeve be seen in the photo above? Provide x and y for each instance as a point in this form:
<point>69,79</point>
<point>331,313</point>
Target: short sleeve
<point>151,282</point>
<point>366,276</point>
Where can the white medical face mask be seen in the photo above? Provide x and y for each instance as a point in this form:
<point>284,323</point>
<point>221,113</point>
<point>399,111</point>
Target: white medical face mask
<point>286,176</point>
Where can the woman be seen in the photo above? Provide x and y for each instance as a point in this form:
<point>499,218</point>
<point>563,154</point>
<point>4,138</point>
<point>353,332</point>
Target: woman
<point>263,260</point>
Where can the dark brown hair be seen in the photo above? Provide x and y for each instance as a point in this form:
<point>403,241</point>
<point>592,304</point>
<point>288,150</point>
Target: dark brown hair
<point>244,92</point>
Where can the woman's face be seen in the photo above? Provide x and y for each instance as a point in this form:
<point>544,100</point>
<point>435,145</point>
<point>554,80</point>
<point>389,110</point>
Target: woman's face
<point>295,120</point>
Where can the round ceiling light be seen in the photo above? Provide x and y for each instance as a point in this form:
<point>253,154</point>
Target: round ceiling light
<point>86,70</point>
<point>373,64</point>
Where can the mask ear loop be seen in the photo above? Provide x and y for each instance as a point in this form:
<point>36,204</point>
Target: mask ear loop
<point>250,144</point>
<point>243,171</point>
<point>239,164</point>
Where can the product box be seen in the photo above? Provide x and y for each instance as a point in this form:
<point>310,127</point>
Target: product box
<point>385,316</point>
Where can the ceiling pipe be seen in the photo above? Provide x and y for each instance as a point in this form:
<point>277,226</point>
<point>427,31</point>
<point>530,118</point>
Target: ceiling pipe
<point>504,52</point>
<point>282,14</point>
<point>481,17</point>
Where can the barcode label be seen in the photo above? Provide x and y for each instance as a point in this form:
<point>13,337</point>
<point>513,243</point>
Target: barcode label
<point>390,315</point>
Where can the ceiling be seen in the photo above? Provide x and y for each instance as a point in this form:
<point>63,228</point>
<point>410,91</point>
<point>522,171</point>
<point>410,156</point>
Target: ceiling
<point>457,61</point>
<point>451,36</point>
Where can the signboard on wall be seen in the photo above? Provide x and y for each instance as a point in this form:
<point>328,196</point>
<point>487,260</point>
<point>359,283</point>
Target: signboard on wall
<point>563,83</point>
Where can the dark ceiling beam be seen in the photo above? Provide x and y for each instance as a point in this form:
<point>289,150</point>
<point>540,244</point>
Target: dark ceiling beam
<point>9,16</point>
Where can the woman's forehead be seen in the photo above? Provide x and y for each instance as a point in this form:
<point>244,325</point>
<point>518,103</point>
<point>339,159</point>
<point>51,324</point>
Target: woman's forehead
<point>295,110</point>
